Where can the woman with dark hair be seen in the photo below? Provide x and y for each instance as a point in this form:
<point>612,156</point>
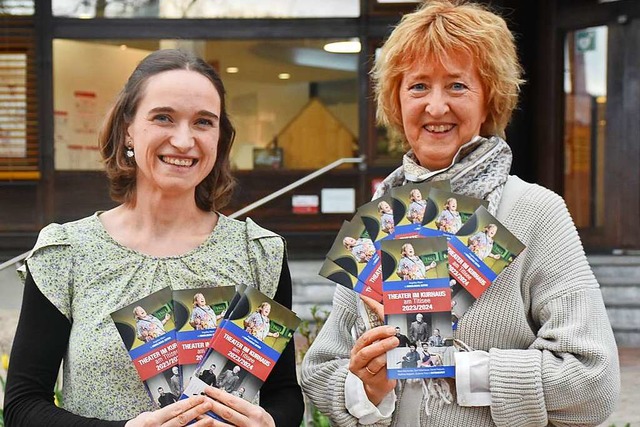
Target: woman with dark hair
<point>166,145</point>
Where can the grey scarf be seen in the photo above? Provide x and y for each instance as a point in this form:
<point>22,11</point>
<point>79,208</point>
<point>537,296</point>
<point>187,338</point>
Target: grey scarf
<point>479,169</point>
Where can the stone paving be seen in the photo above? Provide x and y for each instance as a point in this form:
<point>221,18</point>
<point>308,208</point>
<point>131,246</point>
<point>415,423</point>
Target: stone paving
<point>626,413</point>
<point>628,410</point>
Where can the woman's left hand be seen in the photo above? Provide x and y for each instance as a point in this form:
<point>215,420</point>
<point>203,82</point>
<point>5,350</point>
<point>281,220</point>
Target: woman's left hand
<point>237,411</point>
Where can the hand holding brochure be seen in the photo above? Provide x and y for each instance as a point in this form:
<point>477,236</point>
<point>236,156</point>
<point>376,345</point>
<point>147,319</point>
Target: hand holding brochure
<point>438,285</point>
<point>246,346</point>
<point>417,301</point>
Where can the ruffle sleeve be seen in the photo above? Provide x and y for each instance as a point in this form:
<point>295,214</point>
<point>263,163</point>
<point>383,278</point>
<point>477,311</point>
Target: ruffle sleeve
<point>266,251</point>
<point>50,264</point>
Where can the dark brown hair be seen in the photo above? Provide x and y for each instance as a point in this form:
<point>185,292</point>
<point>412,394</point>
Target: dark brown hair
<point>214,192</point>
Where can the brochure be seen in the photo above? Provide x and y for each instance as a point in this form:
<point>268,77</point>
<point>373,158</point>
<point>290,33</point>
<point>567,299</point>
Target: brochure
<point>246,345</point>
<point>417,301</point>
<point>332,271</point>
<point>354,251</point>
<point>147,330</point>
<point>409,204</point>
<point>446,212</point>
<point>480,250</point>
<point>197,314</point>
<point>377,217</point>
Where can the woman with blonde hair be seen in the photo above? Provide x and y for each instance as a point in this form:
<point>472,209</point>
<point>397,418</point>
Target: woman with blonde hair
<point>447,80</point>
<point>202,315</point>
<point>258,323</point>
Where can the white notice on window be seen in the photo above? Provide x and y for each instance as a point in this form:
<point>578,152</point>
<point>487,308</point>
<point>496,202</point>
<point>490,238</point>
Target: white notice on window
<point>338,200</point>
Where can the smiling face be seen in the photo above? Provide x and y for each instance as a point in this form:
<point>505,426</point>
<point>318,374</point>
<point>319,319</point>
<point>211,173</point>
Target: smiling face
<point>452,205</point>
<point>443,107</point>
<point>175,132</point>
<point>384,207</point>
<point>200,301</point>
<point>266,309</point>
<point>408,250</point>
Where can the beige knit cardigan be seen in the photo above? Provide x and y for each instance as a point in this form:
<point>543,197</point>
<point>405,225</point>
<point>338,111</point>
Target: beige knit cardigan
<point>553,357</point>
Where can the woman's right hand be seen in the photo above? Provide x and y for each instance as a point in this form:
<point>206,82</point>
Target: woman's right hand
<point>177,414</point>
<point>368,360</point>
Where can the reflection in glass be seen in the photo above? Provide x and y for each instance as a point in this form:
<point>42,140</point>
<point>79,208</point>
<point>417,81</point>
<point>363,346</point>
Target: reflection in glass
<point>206,8</point>
<point>13,105</point>
<point>584,127</point>
<point>16,7</point>
<point>303,122</point>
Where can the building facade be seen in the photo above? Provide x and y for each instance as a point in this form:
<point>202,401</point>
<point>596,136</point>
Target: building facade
<point>297,106</point>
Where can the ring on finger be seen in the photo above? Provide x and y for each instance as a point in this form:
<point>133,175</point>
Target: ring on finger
<point>366,367</point>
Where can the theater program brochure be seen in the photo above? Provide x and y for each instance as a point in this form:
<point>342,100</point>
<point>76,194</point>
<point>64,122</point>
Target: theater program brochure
<point>417,300</point>
<point>478,253</point>
<point>353,250</point>
<point>409,205</point>
<point>147,329</point>
<point>198,312</point>
<point>246,345</point>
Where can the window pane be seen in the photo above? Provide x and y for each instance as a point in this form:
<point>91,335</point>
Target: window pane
<point>206,8</point>
<point>294,105</point>
<point>585,124</point>
<point>13,105</point>
<point>16,7</point>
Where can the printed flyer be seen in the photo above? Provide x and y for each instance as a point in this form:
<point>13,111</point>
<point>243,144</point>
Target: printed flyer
<point>446,212</point>
<point>197,314</point>
<point>483,247</point>
<point>147,330</point>
<point>417,301</point>
<point>332,271</point>
<point>409,205</point>
<point>246,346</point>
<point>354,251</point>
<point>377,217</point>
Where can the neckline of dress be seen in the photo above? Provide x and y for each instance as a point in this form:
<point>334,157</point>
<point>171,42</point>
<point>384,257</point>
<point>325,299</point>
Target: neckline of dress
<point>222,221</point>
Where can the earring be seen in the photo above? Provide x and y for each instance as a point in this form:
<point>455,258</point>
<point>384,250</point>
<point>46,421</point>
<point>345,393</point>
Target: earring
<point>129,153</point>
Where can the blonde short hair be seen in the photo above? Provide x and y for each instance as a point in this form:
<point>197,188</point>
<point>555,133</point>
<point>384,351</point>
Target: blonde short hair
<point>442,27</point>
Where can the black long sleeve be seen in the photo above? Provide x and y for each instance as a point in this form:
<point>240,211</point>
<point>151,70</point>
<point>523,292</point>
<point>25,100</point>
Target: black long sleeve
<point>280,395</point>
<point>41,341</point>
<point>38,348</point>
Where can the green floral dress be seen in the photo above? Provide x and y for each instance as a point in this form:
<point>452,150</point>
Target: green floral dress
<point>87,275</point>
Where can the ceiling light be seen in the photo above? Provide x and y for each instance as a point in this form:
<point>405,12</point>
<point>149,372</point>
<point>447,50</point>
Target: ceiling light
<point>345,46</point>
<point>232,70</point>
<point>284,76</point>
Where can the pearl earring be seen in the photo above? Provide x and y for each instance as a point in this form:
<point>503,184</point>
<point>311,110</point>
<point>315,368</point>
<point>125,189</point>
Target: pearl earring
<point>129,153</point>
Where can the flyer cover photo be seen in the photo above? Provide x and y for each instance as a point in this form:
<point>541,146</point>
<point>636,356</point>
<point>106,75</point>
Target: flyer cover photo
<point>417,302</point>
<point>148,333</point>
<point>245,347</point>
<point>198,311</point>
